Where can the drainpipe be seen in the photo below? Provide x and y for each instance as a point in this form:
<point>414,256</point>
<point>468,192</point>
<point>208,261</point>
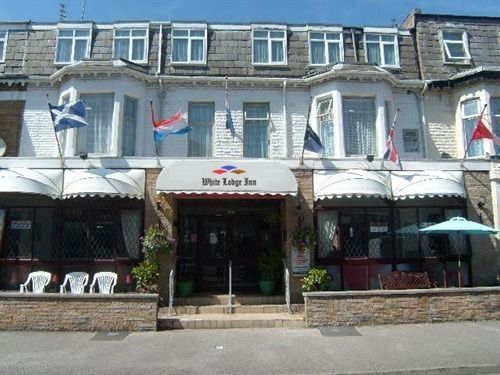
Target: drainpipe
<point>354,46</point>
<point>287,152</point>
<point>160,44</point>
<point>28,23</point>
<point>425,130</point>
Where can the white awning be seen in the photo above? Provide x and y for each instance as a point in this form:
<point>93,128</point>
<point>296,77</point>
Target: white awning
<point>423,184</point>
<point>101,182</point>
<point>351,183</point>
<point>226,177</point>
<point>32,181</point>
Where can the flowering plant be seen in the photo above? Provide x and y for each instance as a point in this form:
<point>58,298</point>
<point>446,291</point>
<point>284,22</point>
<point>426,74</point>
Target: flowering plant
<point>304,238</point>
<point>157,241</point>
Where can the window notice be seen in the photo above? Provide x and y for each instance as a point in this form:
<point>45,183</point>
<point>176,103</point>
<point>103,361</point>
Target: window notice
<point>20,224</point>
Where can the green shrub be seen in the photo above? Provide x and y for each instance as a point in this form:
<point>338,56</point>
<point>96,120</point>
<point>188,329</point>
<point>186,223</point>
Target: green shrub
<point>269,264</point>
<point>316,279</point>
<point>146,276</point>
<point>157,241</point>
<point>304,238</point>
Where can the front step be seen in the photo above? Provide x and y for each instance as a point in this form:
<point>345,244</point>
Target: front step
<point>236,309</point>
<point>223,299</point>
<point>213,321</point>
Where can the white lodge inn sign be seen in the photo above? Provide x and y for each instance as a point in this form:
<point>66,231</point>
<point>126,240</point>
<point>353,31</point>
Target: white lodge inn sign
<point>223,177</point>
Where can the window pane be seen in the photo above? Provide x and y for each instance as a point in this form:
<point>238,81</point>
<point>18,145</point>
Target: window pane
<point>45,234</point>
<point>476,146</point>
<point>138,32</point>
<point>389,55</point>
<point>19,233</point>
<point>495,110</point>
<point>260,34</point>
<point>96,138</point>
<point>138,49</point>
<point>198,33</point>
<point>359,126</point>
<point>317,53</point>
<point>122,33</point>
<point>406,233</point>
<point>470,108</point>
<point>255,139</point>
<point>197,50</point>
<point>180,33</point>
<point>1,49</point>
<point>277,51</point>
<point>3,216</point>
<point>375,38</point>
<point>325,121</point>
<point>435,244</point>
<point>317,36</point>
<point>129,126</point>
<point>387,38</point>
<point>333,53</point>
<point>379,236</point>
<point>333,36</point>
<point>456,50</point>
<point>74,234</point>
<point>101,234</point>
<point>452,35</point>
<point>328,239</point>
<point>82,33</point>
<point>121,49</point>
<point>64,50</point>
<point>256,111</point>
<point>277,34</point>
<point>410,140</point>
<point>373,53</point>
<point>80,50</point>
<point>201,119</point>
<point>352,232</point>
<point>129,233</point>
<point>180,52</point>
<point>66,33</point>
<point>260,53</point>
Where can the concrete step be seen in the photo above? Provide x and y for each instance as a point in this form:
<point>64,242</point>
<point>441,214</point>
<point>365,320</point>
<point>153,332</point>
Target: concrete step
<point>237,309</point>
<point>222,299</point>
<point>215,321</point>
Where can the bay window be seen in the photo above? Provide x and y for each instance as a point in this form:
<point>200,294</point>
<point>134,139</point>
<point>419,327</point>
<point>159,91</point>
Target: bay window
<point>129,126</point>
<point>325,48</point>
<point>359,126</point>
<point>382,49</point>
<point>325,121</point>
<point>189,46</point>
<point>470,115</point>
<point>72,45</point>
<point>269,47</point>
<point>131,44</point>
<point>201,120</point>
<point>255,130</point>
<point>96,137</point>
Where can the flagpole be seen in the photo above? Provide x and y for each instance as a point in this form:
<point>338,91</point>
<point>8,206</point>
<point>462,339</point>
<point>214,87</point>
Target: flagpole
<point>301,162</point>
<point>392,135</point>
<point>470,140</point>
<point>55,134</point>
<point>154,139</point>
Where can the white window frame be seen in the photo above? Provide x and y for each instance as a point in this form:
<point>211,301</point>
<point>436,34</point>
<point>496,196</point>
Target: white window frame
<point>464,117</point>
<point>447,58</point>
<point>319,117</point>
<point>381,44</point>
<point>73,38</point>
<point>4,40</point>
<point>131,39</point>
<point>326,41</point>
<point>269,45</point>
<point>190,38</point>
<point>267,118</point>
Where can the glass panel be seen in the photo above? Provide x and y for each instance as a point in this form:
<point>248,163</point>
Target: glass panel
<point>198,33</point>
<point>45,234</point>
<point>260,52</point>
<point>317,53</point>
<point>122,33</point>
<point>495,112</point>
<point>101,235</point>
<point>180,50</point>
<point>197,50</point>
<point>96,138</point>
<point>260,34</point>
<point>389,54</point>
<point>359,126</point>
<point>66,33</point>
<point>180,33</point>
<point>387,38</point>
<point>255,137</point>
<point>476,147</point>
<point>453,35</point>
<point>457,244</point>
<point>19,233</point>
<point>373,53</point>
<point>82,33</point>
<point>320,36</point>
<point>406,233</point>
<point>352,232</point>
<point>379,236</point>
<point>433,244</point>
<point>129,233</point>
<point>328,241</point>
<point>2,44</point>
<point>333,53</point>
<point>64,50</point>
<point>201,119</point>
<point>410,140</point>
<point>335,36</point>
<point>277,51</point>
<point>375,38</point>
<point>138,49</point>
<point>3,216</point>
<point>138,32</point>
<point>129,127</point>
<point>325,120</point>
<point>277,34</point>
<point>121,49</point>
<point>470,108</point>
<point>256,111</point>
<point>80,50</point>
<point>456,50</point>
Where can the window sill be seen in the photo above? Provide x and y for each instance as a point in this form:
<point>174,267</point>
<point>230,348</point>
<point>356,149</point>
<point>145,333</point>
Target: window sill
<point>463,62</point>
<point>269,65</point>
<point>182,64</point>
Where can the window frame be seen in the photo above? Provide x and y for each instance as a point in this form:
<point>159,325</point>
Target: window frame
<point>381,43</point>
<point>463,118</point>
<point>269,40</point>
<point>210,148</point>
<point>347,151</point>
<point>321,118</point>
<point>189,38</point>
<point>447,58</point>
<point>268,119</point>
<point>73,38</point>
<point>406,134</point>
<point>495,119</point>
<point>326,42</point>
<point>131,39</point>
<point>4,39</point>
<point>124,117</point>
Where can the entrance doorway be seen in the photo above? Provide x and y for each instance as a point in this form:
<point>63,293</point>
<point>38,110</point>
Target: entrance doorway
<point>214,233</point>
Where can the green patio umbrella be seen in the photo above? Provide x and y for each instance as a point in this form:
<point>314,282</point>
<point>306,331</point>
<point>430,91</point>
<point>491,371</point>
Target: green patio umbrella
<point>459,225</point>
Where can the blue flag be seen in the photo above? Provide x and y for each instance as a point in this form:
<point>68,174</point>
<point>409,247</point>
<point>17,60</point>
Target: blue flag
<point>68,115</point>
<point>312,141</point>
<point>229,119</point>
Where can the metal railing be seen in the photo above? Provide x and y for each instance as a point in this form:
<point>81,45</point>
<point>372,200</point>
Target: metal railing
<point>287,287</point>
<point>230,295</point>
<point>170,292</point>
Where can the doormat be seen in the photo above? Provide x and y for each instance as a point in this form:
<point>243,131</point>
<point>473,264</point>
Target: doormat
<point>110,336</point>
<point>338,331</point>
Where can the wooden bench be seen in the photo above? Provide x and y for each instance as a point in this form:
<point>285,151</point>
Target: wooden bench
<point>404,280</point>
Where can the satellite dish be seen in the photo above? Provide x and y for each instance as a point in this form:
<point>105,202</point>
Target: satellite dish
<point>3,147</point>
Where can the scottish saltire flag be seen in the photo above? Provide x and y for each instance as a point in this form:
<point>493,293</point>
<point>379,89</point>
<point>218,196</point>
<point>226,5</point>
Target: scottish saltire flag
<point>68,115</point>
<point>229,119</point>
<point>391,153</point>
<point>312,141</point>
<point>176,124</point>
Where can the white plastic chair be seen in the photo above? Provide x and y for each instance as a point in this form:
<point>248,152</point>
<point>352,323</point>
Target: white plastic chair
<point>77,282</point>
<point>106,282</point>
<point>39,280</point>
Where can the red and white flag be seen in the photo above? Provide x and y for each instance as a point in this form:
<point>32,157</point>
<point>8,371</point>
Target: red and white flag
<point>481,131</point>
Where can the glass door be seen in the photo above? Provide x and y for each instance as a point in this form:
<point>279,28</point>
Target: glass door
<point>212,259</point>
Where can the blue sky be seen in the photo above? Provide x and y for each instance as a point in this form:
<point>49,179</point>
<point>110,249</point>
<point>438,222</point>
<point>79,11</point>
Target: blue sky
<point>345,12</point>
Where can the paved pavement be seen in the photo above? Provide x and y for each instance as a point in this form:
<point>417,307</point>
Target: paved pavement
<point>450,348</point>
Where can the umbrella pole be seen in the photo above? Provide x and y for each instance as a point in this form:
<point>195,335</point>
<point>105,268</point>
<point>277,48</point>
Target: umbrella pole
<point>459,261</point>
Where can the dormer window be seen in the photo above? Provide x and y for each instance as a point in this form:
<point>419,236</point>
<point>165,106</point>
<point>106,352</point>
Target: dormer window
<point>72,45</point>
<point>382,50</point>
<point>131,44</point>
<point>455,46</point>
<point>269,47</point>
<point>3,45</point>
<point>325,48</point>
<point>189,46</point>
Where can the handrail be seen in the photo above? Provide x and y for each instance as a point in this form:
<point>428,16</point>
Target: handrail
<point>287,287</point>
<point>230,296</point>
<point>170,292</point>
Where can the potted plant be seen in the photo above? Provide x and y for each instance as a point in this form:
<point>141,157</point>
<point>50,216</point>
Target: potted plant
<point>304,238</point>
<point>316,279</point>
<point>269,265</point>
<point>184,281</point>
<point>156,241</point>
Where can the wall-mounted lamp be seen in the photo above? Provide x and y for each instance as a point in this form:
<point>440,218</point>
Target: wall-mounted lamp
<point>481,203</point>
<point>83,155</point>
<point>369,158</point>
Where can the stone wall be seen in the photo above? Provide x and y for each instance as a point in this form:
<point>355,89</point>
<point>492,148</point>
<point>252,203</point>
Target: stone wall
<point>72,312</point>
<point>401,306</point>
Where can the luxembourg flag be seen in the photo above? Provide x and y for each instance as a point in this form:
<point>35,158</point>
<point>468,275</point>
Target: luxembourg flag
<point>176,124</point>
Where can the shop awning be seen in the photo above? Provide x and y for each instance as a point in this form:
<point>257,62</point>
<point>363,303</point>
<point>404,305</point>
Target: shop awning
<point>32,181</point>
<point>101,182</point>
<point>351,183</point>
<point>226,177</point>
<point>423,184</point>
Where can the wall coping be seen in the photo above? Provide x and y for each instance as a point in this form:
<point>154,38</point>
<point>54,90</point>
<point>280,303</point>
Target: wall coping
<point>143,297</point>
<point>403,292</point>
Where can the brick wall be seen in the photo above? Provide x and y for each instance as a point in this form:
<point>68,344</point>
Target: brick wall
<point>400,307</point>
<point>66,312</point>
<point>11,112</point>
